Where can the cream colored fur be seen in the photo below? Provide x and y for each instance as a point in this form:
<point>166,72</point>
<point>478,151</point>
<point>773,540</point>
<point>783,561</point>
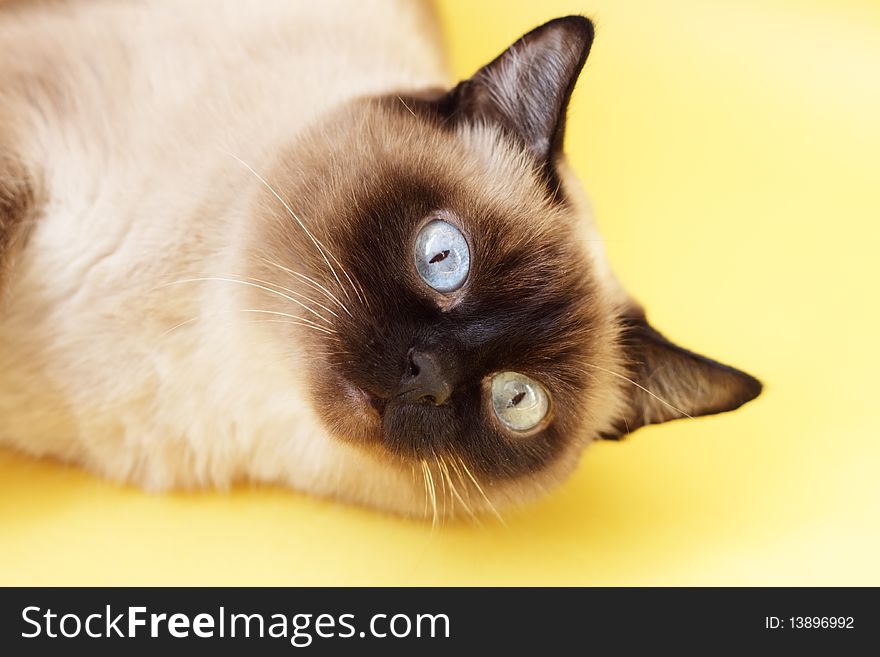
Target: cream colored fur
<point>134,111</point>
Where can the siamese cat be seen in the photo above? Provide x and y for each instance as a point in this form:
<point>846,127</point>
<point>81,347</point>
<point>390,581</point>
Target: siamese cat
<point>272,242</point>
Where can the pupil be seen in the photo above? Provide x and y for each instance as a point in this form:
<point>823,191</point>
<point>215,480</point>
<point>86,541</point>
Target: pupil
<point>517,398</point>
<point>439,257</point>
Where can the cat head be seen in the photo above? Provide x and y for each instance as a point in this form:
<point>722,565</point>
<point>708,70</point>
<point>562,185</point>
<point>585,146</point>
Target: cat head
<point>433,269</point>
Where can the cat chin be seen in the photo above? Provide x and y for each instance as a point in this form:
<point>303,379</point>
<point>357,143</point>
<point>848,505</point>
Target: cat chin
<point>443,491</point>
<point>435,488</point>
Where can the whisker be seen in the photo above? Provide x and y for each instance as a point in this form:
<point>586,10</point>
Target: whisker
<point>466,505</point>
<point>356,287</point>
<point>287,321</point>
<point>425,483</point>
<point>260,287</point>
<point>305,322</point>
<point>313,283</point>
<point>408,108</point>
<point>442,481</point>
<point>177,326</point>
<point>445,467</point>
<point>433,490</point>
<point>283,321</point>
<point>290,211</point>
<point>482,492</point>
<point>640,387</point>
<point>299,294</point>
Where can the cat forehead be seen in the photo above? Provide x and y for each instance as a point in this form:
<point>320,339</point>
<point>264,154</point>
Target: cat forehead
<point>379,147</point>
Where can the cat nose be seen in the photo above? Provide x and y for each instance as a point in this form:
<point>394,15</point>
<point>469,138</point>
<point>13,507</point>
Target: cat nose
<point>425,379</point>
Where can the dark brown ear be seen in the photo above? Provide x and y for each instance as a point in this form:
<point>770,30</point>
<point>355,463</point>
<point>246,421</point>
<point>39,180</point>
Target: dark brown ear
<point>526,89</point>
<point>673,382</point>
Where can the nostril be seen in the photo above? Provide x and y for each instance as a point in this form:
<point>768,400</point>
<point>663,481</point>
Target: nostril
<point>424,379</point>
<point>412,367</point>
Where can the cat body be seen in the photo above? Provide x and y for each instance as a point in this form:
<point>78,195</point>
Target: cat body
<point>180,252</point>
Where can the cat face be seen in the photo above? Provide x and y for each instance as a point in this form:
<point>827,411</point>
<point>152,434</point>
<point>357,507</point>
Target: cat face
<point>433,273</point>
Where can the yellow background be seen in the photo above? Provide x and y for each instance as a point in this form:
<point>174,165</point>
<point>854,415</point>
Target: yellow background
<point>732,150</point>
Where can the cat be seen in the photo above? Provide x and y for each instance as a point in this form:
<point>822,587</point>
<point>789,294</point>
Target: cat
<point>272,242</point>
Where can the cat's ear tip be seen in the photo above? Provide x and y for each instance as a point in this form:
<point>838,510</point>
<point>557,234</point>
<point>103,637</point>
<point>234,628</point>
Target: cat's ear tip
<point>750,387</point>
<point>576,25</point>
<point>578,22</point>
<point>734,389</point>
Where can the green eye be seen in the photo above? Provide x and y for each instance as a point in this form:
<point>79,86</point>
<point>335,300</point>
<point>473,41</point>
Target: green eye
<point>519,402</point>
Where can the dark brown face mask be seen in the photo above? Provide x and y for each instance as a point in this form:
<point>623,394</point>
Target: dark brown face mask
<point>521,358</point>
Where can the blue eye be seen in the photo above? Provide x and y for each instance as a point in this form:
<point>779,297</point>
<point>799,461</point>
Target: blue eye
<point>443,259</point>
